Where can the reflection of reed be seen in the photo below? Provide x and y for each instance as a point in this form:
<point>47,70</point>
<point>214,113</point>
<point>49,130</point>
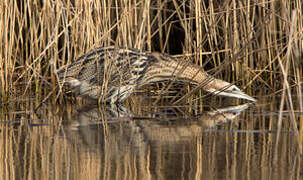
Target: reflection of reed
<point>115,143</point>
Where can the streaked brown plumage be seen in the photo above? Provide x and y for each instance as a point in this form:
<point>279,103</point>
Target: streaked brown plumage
<point>114,73</point>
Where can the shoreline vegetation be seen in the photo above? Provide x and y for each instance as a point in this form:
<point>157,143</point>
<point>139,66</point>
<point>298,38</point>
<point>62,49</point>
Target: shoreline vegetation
<point>256,45</point>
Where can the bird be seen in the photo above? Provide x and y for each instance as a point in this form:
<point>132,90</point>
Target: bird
<point>114,73</point>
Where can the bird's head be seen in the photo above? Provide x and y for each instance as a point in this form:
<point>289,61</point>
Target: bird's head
<point>223,88</point>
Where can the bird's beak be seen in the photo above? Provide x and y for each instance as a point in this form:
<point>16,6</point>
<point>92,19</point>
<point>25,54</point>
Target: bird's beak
<point>235,93</point>
<point>242,95</point>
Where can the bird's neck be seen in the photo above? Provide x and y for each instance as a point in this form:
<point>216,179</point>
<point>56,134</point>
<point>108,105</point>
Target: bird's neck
<point>167,68</point>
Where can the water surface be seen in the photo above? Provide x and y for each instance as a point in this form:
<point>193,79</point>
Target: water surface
<point>221,139</point>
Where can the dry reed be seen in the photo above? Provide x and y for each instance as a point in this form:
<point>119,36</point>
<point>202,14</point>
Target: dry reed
<point>37,34</point>
<point>244,41</point>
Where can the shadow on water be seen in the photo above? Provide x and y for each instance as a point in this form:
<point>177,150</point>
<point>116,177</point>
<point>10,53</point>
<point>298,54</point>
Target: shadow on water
<point>146,142</point>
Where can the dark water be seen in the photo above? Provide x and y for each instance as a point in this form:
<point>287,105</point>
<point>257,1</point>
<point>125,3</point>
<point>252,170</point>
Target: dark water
<point>223,139</point>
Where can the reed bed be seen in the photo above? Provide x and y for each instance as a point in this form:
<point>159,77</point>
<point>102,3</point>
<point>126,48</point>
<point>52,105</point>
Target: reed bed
<point>248,40</point>
<point>255,44</point>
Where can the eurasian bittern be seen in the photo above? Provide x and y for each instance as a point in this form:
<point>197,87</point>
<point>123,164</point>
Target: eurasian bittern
<point>113,74</point>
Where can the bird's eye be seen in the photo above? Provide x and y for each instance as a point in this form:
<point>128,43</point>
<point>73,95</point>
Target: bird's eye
<point>235,89</point>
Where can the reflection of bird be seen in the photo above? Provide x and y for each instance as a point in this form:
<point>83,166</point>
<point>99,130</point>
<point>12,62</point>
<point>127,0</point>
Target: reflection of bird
<point>114,73</point>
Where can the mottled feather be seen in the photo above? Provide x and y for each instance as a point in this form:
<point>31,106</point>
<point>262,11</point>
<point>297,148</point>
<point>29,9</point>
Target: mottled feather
<point>114,73</point>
